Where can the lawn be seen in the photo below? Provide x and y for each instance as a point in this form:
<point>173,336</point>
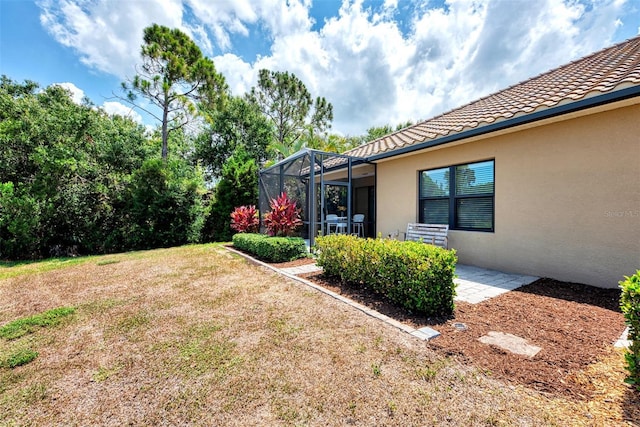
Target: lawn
<point>198,336</point>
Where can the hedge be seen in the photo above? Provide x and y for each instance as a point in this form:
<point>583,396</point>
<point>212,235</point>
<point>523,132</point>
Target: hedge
<point>630,306</point>
<point>414,275</point>
<point>272,249</point>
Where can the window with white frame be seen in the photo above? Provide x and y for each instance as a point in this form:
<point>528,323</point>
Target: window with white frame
<point>461,196</point>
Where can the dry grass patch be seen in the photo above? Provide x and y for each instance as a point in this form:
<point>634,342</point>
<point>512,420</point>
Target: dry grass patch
<point>197,336</point>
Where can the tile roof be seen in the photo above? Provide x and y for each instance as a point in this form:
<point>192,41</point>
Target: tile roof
<point>608,70</point>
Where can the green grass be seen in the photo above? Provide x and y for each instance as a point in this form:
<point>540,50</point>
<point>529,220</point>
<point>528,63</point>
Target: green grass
<point>377,370</point>
<point>9,269</point>
<point>19,358</point>
<point>27,325</point>
<point>33,393</point>
<point>204,350</point>
<point>428,372</point>
<point>107,261</point>
<point>132,322</point>
<point>104,373</point>
<point>199,357</point>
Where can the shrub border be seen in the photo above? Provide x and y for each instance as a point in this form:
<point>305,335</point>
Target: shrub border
<point>630,306</point>
<point>271,249</point>
<point>417,276</point>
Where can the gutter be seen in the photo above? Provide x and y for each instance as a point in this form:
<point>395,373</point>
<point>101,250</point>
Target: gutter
<point>583,104</point>
<point>307,152</point>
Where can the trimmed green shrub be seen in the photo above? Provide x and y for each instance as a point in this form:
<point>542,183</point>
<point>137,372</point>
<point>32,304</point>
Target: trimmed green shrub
<point>630,305</point>
<point>414,275</point>
<point>272,249</point>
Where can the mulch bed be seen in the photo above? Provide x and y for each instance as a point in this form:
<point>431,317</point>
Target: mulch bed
<point>574,324</point>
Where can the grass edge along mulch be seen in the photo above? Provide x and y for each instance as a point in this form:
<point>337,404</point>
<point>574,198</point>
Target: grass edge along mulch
<point>578,361</point>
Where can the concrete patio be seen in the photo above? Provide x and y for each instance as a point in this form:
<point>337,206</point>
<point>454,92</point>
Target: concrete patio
<point>475,284</point>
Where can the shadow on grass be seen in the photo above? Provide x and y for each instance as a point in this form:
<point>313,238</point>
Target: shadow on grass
<point>9,269</point>
<point>55,261</point>
<point>631,406</point>
<point>9,264</point>
<point>584,294</point>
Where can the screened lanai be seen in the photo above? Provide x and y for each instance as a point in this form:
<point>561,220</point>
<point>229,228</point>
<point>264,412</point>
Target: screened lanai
<point>330,193</point>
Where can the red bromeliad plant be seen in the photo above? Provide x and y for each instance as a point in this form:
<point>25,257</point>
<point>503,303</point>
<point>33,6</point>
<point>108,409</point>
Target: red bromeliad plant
<point>244,219</point>
<point>284,217</point>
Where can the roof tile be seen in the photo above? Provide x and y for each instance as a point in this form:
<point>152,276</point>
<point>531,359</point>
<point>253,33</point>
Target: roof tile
<point>600,72</point>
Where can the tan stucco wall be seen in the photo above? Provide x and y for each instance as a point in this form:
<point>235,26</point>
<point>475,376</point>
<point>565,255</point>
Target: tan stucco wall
<point>567,198</point>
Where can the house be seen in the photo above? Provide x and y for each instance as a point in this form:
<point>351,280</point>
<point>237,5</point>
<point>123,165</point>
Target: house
<point>541,178</point>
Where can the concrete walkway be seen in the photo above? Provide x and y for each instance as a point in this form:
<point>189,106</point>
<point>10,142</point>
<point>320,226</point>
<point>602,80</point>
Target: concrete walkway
<point>302,269</point>
<point>474,284</point>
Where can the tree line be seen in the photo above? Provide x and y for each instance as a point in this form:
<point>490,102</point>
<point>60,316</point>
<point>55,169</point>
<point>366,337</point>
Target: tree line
<point>77,180</point>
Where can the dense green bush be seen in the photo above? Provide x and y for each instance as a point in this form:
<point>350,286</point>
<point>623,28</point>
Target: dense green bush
<point>19,223</point>
<point>76,180</point>
<point>238,186</point>
<point>415,275</point>
<point>164,205</point>
<point>272,249</point>
<point>630,305</point>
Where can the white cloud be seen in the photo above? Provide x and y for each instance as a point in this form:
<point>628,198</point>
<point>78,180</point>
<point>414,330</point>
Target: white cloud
<point>285,18</point>
<point>373,74</point>
<point>77,94</point>
<point>107,35</point>
<point>227,17</point>
<point>239,74</point>
<point>364,77</point>
<point>115,107</point>
<point>372,68</point>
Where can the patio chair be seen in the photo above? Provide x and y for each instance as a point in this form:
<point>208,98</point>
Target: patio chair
<point>358,224</point>
<point>335,223</point>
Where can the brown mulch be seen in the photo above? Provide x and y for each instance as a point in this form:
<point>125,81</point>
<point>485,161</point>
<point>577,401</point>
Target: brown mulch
<point>575,325</point>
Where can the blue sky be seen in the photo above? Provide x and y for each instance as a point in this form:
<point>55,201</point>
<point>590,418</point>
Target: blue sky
<point>378,62</point>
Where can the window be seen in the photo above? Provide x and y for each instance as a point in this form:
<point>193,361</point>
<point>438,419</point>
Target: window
<point>461,196</point>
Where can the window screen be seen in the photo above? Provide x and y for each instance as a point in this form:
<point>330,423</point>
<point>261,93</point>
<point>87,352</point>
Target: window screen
<point>470,206</point>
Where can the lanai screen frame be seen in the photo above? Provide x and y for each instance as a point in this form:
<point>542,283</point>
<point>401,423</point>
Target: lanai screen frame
<point>296,170</point>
